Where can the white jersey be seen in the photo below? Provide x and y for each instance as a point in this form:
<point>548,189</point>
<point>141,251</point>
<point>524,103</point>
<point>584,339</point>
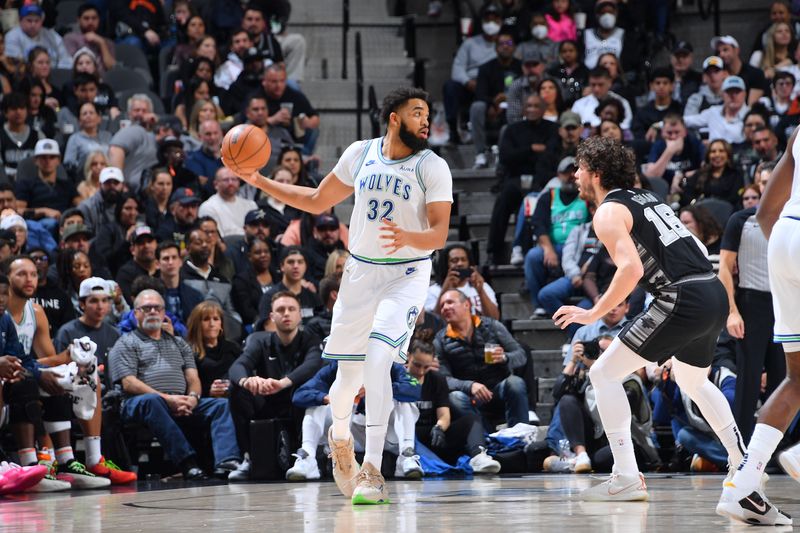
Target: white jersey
<point>397,190</point>
<point>26,329</point>
<point>595,46</point>
<point>792,207</point>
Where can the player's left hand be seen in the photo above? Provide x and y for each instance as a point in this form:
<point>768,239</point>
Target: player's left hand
<point>570,314</point>
<point>397,236</point>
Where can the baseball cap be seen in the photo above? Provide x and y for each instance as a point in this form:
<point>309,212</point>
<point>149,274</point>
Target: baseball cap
<point>140,233</point>
<point>46,147</point>
<point>93,285</point>
<point>733,82</point>
<point>569,118</point>
<point>252,54</point>
<point>326,221</point>
<point>185,196</point>
<point>566,164</point>
<point>490,9</point>
<point>601,3</point>
<point>75,229</point>
<point>12,221</point>
<point>682,47</point>
<point>256,216</point>
<point>533,55</point>
<point>31,9</point>
<point>111,173</point>
<point>724,39</point>
<point>713,62</point>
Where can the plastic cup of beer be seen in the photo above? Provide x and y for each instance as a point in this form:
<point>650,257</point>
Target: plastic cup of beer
<point>488,352</point>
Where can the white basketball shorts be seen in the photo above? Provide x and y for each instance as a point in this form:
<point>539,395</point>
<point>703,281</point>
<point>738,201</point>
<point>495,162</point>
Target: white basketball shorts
<point>376,301</point>
<point>784,281</point>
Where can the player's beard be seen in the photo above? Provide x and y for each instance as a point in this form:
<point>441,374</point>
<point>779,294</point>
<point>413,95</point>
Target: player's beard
<point>412,141</point>
<point>20,293</point>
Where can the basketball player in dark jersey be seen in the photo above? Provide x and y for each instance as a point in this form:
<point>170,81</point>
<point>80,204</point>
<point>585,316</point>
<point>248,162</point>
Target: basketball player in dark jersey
<point>652,248</point>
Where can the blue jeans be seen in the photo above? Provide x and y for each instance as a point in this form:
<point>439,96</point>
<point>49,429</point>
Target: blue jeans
<point>695,441</point>
<point>536,272</point>
<point>153,411</point>
<point>511,391</point>
<point>555,294</point>
<point>310,141</point>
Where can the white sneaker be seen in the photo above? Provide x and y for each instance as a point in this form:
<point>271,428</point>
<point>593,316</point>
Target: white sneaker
<point>583,465</point>
<point>732,471</point>
<point>538,313</point>
<point>243,472</point>
<point>618,488</point>
<point>790,463</point>
<point>517,258</point>
<point>305,467</point>
<point>408,466</point>
<point>484,464</point>
<point>753,509</point>
<point>480,161</point>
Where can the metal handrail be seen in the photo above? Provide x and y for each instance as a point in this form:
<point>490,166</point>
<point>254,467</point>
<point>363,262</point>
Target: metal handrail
<point>359,85</point>
<point>711,10</point>
<point>345,31</point>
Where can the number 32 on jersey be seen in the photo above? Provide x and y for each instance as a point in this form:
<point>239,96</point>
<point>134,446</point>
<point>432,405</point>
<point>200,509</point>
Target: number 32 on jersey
<point>374,206</point>
<point>669,226</point>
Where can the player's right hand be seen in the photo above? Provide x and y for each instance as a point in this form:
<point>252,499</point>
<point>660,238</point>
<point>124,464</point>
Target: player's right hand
<point>735,325</point>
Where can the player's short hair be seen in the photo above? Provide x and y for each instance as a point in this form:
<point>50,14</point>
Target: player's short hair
<point>398,97</point>
<point>327,285</point>
<point>291,250</point>
<point>615,163</point>
<point>166,245</point>
<point>284,294</point>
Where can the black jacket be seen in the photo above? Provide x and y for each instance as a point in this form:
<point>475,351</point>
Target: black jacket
<point>266,357</point>
<point>515,148</point>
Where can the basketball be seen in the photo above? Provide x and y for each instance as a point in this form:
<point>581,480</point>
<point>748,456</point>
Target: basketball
<point>246,149</point>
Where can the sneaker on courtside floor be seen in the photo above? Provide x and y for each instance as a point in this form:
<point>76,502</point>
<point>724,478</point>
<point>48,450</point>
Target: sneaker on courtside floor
<point>82,478</point>
<point>345,467</point>
<point>790,462</point>
<point>20,478</point>
<point>108,469</point>
<point>618,488</point>
<point>484,464</point>
<point>370,487</point>
<point>753,509</point>
<point>701,464</point>
<point>408,465</point>
<point>49,482</point>
<point>583,464</point>
<point>305,467</point>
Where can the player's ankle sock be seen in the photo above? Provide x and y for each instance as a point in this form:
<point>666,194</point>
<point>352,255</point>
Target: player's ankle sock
<point>624,457</point>
<point>27,456</point>
<point>64,455</point>
<point>762,445</point>
<point>93,450</point>
<point>732,440</point>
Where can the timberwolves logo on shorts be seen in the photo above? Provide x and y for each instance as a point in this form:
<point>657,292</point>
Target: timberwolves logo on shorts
<point>411,317</point>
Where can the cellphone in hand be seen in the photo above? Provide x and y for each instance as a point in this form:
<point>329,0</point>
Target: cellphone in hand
<point>464,273</point>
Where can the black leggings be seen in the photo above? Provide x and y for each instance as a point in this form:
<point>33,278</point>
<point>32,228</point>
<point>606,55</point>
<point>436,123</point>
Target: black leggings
<point>464,435</point>
<point>577,423</point>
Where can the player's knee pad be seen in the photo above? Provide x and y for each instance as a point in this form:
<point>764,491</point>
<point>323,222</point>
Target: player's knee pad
<point>56,427</point>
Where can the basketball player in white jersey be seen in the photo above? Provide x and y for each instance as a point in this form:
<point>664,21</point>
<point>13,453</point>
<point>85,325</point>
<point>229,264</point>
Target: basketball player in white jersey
<point>779,217</point>
<point>403,193</point>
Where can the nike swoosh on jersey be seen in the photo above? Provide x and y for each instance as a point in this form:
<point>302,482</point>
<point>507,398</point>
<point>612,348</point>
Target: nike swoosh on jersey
<point>370,162</point>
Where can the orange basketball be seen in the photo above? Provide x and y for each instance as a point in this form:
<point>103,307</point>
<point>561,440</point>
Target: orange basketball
<point>246,149</point>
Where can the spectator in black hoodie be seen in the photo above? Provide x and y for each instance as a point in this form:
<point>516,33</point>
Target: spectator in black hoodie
<point>320,325</point>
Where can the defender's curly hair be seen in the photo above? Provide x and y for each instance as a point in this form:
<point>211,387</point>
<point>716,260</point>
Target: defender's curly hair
<point>396,98</point>
<point>615,163</point>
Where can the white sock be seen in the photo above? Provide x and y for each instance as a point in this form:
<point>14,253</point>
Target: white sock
<point>349,378</point>
<point>64,455</point>
<point>762,445</point>
<point>379,402</point>
<point>27,456</point>
<point>624,457</point>
<point>732,440</point>
<point>93,451</point>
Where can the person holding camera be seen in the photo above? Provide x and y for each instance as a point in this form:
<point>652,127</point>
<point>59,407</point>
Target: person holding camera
<point>456,270</point>
<point>611,324</point>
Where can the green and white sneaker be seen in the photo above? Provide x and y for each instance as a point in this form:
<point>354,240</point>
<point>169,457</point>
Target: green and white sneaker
<point>82,479</point>
<point>370,487</point>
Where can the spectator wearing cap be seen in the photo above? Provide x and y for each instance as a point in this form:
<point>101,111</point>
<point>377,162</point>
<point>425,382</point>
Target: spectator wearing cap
<point>710,92</point>
<point>198,273</point>
<point>45,196</point>
<point>226,207</point>
<point>600,89</point>
<point>248,82</point>
<point>289,108</point>
<point>724,121</point>
<point>293,267</point>
<point>687,80</point>
<point>676,154</point>
<point>459,90</point>
<point>521,148</point>
<point>134,148</point>
<point>646,121</point>
<point>31,33</point>
<point>143,263</point>
<point>94,297</point>
<point>606,37</point>
<point>569,132</point>
<point>98,209</point>
<point>179,297</point>
<point>87,36</point>
<point>17,139</point>
<point>206,160</point>
<point>494,79</point>
<point>533,65</point>
<point>233,65</point>
<point>37,234</point>
<point>756,85</point>
<point>256,225</point>
<point>183,204</point>
<point>53,299</point>
<point>16,224</point>
<point>326,240</point>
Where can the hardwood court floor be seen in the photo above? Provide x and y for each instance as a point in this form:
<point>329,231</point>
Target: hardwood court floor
<point>495,505</point>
